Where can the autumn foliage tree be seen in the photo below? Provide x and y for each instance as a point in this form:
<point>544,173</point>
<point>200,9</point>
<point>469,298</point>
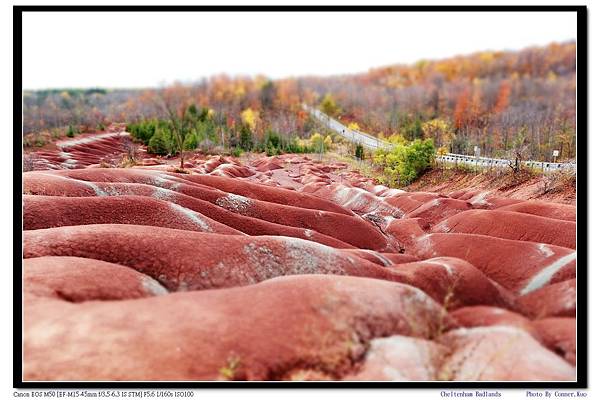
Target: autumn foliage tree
<point>439,130</point>
<point>329,106</point>
<point>503,98</point>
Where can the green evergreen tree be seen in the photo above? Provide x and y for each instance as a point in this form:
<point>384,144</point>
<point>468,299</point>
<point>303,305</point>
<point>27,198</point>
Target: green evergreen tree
<point>359,153</point>
<point>246,141</point>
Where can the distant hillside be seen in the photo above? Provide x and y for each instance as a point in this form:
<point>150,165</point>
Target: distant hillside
<point>490,99</point>
<point>498,101</point>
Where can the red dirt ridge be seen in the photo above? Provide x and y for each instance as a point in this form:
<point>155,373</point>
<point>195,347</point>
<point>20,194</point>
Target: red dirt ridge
<point>285,268</point>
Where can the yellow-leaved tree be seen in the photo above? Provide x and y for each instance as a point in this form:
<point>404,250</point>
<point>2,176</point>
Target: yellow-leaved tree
<point>250,118</point>
<point>329,106</point>
<point>439,130</point>
<point>353,126</point>
<point>396,138</point>
<point>320,143</point>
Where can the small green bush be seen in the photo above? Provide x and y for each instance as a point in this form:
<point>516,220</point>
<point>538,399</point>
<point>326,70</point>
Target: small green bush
<point>70,131</point>
<point>236,151</point>
<point>405,163</point>
<point>56,133</point>
<point>145,129</point>
<point>272,144</point>
<point>273,151</point>
<point>191,141</point>
<point>274,139</point>
<point>161,142</point>
<point>296,146</point>
<point>206,129</point>
<point>40,141</point>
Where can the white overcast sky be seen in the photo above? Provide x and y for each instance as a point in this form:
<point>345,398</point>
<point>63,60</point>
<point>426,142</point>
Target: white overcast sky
<point>149,49</point>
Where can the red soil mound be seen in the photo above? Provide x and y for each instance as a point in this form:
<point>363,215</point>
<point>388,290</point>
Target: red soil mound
<point>404,203</point>
<point>556,300</point>
<point>487,201</point>
<point>518,266</point>
<point>266,193</point>
<point>511,225</point>
<point>421,197</point>
<point>372,256</point>
<point>557,334</point>
<point>232,171</point>
<point>348,229</point>
<point>49,211</point>
<point>75,280</point>
<point>474,316</point>
<point>83,151</point>
<point>457,194</point>
<point>560,335</point>
<point>544,209</point>
<point>438,209</point>
<point>352,230</point>
<point>358,200</point>
<point>500,353</point>
<point>399,258</point>
<point>294,324</point>
<point>267,164</point>
<point>406,231</point>
<point>251,226</point>
<point>383,259</point>
<point>213,163</point>
<point>400,358</point>
<point>454,283</point>
<point>171,256</point>
<point>43,183</point>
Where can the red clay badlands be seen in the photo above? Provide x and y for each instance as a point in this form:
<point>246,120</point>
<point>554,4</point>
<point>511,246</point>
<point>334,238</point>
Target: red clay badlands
<point>286,269</point>
<point>82,152</point>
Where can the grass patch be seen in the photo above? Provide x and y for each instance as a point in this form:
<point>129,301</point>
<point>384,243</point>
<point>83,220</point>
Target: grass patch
<point>230,370</point>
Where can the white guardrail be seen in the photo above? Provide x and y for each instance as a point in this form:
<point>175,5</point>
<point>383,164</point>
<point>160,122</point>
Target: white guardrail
<point>374,143</point>
<point>487,162</point>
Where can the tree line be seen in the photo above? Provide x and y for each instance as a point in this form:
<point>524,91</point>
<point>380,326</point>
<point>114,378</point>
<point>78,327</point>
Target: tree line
<point>501,102</point>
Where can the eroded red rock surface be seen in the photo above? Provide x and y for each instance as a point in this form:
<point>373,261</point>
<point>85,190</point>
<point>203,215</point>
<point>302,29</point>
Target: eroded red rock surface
<point>285,268</point>
<point>83,151</point>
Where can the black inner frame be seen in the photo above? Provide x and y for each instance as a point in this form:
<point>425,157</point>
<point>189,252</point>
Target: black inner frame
<point>582,203</point>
